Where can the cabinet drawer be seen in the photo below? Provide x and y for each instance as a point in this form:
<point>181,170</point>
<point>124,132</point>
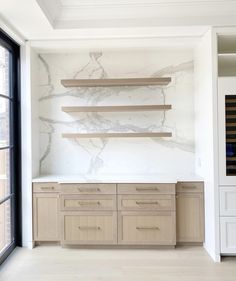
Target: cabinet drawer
<point>140,228</point>
<point>89,188</point>
<point>228,201</point>
<point>46,187</point>
<point>190,187</point>
<point>89,228</point>
<point>228,235</point>
<point>146,202</point>
<point>146,188</point>
<point>88,202</point>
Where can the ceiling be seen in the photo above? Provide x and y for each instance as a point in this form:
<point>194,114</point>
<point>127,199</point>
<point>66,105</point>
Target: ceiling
<point>114,23</point>
<point>137,13</point>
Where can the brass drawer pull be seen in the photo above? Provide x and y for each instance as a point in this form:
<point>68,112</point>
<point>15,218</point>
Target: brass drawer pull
<point>147,189</point>
<point>146,203</point>
<point>89,189</point>
<point>89,203</point>
<point>89,228</point>
<point>47,187</point>
<point>147,228</point>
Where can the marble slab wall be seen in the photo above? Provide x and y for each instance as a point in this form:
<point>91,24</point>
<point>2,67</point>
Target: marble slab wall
<point>122,155</point>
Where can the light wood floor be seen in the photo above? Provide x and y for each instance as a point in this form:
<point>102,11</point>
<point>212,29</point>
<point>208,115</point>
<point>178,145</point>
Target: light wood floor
<point>49,263</point>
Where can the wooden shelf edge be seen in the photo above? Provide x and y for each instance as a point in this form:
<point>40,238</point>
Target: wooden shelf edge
<point>117,135</point>
<point>120,108</point>
<point>162,81</point>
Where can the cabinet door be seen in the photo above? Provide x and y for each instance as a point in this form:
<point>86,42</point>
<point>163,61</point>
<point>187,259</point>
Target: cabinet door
<point>228,235</point>
<point>189,213</point>
<point>88,228</point>
<point>147,228</point>
<point>46,213</point>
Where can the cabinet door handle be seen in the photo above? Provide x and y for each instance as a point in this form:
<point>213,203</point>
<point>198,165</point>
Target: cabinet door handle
<point>89,203</point>
<point>147,189</point>
<point>146,203</point>
<point>89,189</point>
<point>47,187</point>
<point>147,228</point>
<point>89,227</point>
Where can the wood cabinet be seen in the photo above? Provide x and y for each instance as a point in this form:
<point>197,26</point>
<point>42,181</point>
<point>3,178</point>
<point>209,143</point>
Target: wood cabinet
<point>46,217</point>
<point>190,212</point>
<point>146,228</point>
<point>118,214</point>
<point>89,228</point>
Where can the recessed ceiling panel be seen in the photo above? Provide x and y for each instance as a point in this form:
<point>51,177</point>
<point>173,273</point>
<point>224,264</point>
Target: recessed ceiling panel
<point>76,14</point>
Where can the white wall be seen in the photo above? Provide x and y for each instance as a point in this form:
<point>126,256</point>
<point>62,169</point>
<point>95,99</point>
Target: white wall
<point>173,155</point>
<point>206,136</point>
<point>26,145</point>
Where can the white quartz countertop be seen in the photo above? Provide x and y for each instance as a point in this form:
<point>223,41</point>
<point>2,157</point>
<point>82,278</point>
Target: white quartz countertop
<point>118,178</point>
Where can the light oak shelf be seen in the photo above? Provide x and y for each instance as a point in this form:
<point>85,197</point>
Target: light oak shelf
<point>117,135</point>
<point>69,109</point>
<point>161,81</point>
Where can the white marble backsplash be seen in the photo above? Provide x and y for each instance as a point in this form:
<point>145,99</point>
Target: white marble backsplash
<point>116,156</point>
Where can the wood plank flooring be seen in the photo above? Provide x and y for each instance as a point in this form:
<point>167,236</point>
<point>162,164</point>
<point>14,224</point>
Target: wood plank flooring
<point>53,263</point>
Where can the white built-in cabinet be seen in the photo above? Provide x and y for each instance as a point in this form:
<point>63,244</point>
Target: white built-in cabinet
<point>227,141</point>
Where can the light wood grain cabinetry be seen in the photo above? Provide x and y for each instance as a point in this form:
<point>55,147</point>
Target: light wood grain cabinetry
<point>118,214</point>
<point>190,212</point>
<point>153,223</point>
<point>140,228</point>
<point>89,228</point>
<point>46,216</point>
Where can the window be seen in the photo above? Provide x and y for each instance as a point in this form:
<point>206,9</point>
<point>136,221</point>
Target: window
<point>10,169</point>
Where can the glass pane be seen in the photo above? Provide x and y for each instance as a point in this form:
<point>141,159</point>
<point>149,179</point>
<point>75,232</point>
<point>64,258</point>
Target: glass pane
<point>4,71</point>
<point>230,121</point>
<point>4,173</point>
<point>4,122</point>
<point>5,225</point>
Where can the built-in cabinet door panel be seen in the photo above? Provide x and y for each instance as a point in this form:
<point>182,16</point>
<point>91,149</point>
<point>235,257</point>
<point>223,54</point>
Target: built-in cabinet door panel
<point>88,202</point>
<point>146,188</point>
<point>143,228</point>
<point>190,217</point>
<point>46,217</point>
<point>88,188</point>
<point>89,228</point>
<point>228,235</point>
<point>228,201</point>
<point>146,202</point>
<point>46,187</point>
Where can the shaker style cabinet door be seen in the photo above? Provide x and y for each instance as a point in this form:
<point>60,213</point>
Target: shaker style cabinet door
<point>190,220</point>
<point>46,216</point>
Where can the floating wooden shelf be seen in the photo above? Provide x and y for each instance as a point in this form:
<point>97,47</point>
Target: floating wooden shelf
<point>117,135</point>
<point>115,108</point>
<point>116,82</point>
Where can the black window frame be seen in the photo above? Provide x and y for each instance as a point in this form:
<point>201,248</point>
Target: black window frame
<point>15,141</point>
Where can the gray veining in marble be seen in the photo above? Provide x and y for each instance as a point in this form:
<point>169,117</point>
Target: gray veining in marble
<point>52,124</point>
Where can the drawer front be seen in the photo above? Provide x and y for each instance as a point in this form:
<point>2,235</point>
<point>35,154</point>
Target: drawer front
<point>88,202</point>
<point>228,201</point>
<point>190,187</point>
<point>146,202</point>
<point>143,228</point>
<point>46,187</point>
<point>228,235</point>
<point>89,228</point>
<point>146,188</point>
<point>89,188</point>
